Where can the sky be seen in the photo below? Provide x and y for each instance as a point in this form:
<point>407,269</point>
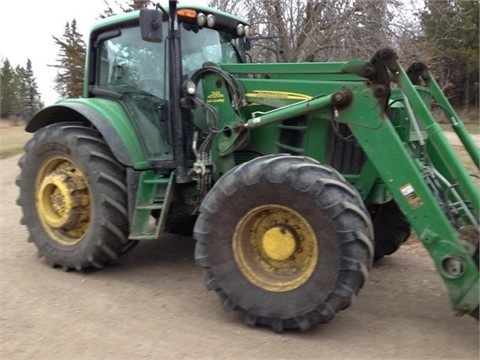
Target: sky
<point>27,27</point>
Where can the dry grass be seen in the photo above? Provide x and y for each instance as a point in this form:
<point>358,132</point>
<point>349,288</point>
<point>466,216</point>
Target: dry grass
<point>12,138</point>
<point>469,117</point>
<point>466,159</point>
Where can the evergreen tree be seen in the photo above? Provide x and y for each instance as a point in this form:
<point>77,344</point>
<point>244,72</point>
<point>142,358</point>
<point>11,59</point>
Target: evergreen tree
<point>19,95</point>
<point>70,62</point>
<point>31,101</point>
<point>9,86</point>
<point>451,33</point>
<point>21,92</point>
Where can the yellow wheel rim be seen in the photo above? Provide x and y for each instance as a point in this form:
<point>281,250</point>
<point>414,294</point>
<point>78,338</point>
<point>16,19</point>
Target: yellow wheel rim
<point>62,200</point>
<point>275,248</point>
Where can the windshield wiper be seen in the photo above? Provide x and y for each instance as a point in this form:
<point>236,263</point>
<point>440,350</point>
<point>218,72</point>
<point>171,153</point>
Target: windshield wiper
<point>141,93</point>
<point>97,91</point>
<point>120,95</point>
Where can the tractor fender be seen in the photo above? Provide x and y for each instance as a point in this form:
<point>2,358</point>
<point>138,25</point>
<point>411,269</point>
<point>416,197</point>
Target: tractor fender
<point>113,126</point>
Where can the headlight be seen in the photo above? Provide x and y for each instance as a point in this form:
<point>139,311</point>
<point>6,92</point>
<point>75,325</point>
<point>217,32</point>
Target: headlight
<point>190,88</point>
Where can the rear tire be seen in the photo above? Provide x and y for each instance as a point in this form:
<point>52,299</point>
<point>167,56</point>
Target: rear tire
<point>74,198</point>
<point>285,241</point>
<point>391,228</point>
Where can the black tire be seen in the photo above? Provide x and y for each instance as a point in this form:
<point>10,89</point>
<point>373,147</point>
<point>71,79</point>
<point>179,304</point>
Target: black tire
<point>74,198</point>
<point>474,313</point>
<point>391,228</point>
<point>325,251</point>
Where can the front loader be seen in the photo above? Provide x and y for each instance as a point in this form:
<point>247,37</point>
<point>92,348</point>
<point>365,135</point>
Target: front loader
<point>293,178</point>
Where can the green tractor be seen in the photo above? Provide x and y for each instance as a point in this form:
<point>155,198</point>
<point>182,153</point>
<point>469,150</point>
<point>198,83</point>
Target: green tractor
<point>293,178</point>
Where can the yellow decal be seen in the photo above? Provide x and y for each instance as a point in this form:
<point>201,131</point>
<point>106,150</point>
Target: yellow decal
<point>284,95</point>
<point>215,97</point>
<point>411,196</point>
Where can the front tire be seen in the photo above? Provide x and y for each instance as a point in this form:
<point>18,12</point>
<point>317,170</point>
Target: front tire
<point>284,240</point>
<point>73,197</point>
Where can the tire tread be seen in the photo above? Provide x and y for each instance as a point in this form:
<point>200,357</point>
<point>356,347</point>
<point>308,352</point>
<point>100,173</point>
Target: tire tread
<point>310,177</point>
<point>106,175</point>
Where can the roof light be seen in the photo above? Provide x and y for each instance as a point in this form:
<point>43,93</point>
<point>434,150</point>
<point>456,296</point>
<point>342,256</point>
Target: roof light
<point>188,13</point>
<point>201,19</point>
<point>211,20</point>
<point>240,29</point>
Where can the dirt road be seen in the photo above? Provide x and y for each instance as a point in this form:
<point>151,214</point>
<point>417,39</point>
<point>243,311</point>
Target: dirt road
<point>153,305</point>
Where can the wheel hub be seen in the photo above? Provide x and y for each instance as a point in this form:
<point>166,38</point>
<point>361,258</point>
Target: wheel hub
<point>275,248</point>
<point>62,201</point>
<point>278,243</point>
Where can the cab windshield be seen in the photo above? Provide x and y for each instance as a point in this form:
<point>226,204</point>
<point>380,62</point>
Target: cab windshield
<point>127,63</point>
<point>201,45</point>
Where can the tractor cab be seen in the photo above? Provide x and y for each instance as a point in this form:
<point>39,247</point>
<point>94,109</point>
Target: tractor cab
<point>133,62</point>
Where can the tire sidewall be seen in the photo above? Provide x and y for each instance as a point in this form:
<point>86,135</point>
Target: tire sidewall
<point>52,142</point>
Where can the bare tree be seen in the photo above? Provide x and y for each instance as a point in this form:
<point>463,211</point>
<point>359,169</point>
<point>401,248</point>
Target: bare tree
<point>325,30</point>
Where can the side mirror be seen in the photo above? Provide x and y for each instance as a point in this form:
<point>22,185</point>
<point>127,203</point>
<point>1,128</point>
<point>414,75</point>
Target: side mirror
<point>151,25</point>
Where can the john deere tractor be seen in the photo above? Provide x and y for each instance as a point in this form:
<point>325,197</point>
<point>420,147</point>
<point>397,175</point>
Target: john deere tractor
<point>293,178</point>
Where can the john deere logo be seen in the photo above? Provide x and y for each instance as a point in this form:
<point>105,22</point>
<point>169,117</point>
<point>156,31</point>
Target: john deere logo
<point>283,95</point>
<point>215,97</point>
